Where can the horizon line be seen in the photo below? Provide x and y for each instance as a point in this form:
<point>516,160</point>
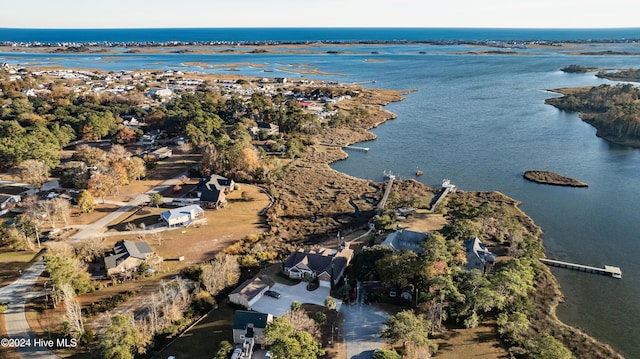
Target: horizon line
<point>328,27</point>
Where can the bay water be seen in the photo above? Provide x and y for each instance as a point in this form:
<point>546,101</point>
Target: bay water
<point>480,121</point>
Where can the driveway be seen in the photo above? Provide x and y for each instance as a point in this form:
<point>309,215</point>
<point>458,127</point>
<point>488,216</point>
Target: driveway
<point>17,294</point>
<point>361,328</point>
<point>291,293</point>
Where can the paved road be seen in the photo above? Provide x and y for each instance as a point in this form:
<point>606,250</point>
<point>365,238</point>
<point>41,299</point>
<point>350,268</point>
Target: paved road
<point>17,294</point>
<point>361,327</point>
<point>96,229</point>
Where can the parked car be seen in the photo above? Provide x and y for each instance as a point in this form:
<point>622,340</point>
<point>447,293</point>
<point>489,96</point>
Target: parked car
<point>236,353</point>
<point>272,294</point>
<point>268,355</point>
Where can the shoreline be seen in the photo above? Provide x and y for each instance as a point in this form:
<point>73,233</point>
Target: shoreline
<point>547,305</point>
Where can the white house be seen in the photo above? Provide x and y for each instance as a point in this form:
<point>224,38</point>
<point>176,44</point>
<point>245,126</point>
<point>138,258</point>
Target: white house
<point>182,216</point>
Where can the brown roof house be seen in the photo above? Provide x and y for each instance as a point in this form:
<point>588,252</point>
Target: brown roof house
<point>127,256</point>
<point>249,292</point>
<point>212,190</point>
<point>326,265</point>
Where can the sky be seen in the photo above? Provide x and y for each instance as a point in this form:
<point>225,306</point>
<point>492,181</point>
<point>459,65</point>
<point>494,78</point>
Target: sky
<point>319,13</point>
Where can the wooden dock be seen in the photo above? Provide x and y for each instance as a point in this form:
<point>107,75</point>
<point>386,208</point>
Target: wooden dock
<point>611,271</point>
<point>387,191</point>
<point>353,148</point>
<point>356,148</point>
<point>447,187</point>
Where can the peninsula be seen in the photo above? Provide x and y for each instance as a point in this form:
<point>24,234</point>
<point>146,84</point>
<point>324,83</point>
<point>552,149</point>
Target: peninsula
<point>552,178</point>
<point>111,136</point>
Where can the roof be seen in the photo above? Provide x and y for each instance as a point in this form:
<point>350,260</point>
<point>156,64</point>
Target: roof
<point>406,240</point>
<point>250,288</point>
<point>479,249</point>
<point>319,263</point>
<point>180,211</point>
<point>13,189</point>
<point>125,249</point>
<point>243,318</point>
<point>212,187</point>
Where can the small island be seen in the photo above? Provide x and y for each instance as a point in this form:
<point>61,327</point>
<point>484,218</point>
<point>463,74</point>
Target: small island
<point>552,178</point>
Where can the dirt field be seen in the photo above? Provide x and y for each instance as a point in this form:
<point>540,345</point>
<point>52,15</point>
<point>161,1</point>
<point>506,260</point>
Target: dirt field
<point>424,221</point>
<point>480,342</point>
<point>198,243</point>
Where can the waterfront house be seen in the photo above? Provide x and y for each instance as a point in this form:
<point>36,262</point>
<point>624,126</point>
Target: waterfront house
<point>182,216</point>
<point>478,256</point>
<point>127,256</point>
<point>249,292</point>
<point>247,325</point>
<point>326,265</point>
<point>405,239</point>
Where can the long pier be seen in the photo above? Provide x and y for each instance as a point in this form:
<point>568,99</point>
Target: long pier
<point>387,191</point>
<point>447,187</point>
<point>611,271</point>
<point>353,148</point>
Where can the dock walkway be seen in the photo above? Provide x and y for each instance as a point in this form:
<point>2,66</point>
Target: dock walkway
<point>612,271</point>
<point>387,191</point>
<point>447,187</point>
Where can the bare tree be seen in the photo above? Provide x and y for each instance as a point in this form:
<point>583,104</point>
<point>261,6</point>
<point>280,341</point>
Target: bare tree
<point>73,312</point>
<point>303,322</point>
<point>34,172</point>
<point>61,209</point>
<point>220,273</point>
<point>90,249</point>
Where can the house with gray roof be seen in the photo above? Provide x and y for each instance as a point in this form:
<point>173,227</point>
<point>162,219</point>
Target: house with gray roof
<point>478,256</point>
<point>127,256</point>
<point>405,239</point>
<point>327,266</point>
<point>212,190</point>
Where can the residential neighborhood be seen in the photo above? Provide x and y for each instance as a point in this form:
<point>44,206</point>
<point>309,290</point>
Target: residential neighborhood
<point>171,214</point>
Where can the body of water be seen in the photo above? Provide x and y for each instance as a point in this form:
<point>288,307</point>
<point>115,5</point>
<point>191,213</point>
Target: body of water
<point>480,121</point>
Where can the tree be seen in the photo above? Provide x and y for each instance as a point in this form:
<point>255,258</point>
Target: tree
<point>86,202</point>
<point>409,328</point>
<point>61,209</point>
<point>73,311</point>
<point>125,135</point>
<point>224,350</point>
<point>155,199</point>
<point>65,270</point>
<point>287,342</point>
<point>330,303</point>
<point>120,338</point>
<point>386,354</point>
<point>220,273</point>
<point>303,322</point>
<point>547,347</point>
<point>101,184</point>
<point>34,172</point>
